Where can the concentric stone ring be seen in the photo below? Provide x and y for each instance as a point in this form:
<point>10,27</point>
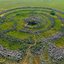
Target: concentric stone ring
<point>29,29</point>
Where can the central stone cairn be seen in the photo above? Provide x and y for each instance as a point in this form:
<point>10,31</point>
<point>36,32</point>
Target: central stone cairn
<point>32,21</point>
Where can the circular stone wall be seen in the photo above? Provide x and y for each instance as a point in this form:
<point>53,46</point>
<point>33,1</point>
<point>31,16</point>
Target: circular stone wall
<point>30,29</point>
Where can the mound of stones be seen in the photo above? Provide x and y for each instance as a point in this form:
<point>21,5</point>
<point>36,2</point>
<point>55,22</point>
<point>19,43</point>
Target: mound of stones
<point>55,52</point>
<point>13,55</point>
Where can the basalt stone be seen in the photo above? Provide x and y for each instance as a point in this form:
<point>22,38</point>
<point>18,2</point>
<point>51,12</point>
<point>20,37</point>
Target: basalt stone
<point>56,53</point>
<point>13,55</point>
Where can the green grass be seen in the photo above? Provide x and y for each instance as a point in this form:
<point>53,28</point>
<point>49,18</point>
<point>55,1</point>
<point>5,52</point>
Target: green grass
<point>60,42</point>
<point>6,4</point>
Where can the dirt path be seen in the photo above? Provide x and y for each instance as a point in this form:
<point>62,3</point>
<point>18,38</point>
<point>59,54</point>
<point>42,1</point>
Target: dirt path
<point>28,52</point>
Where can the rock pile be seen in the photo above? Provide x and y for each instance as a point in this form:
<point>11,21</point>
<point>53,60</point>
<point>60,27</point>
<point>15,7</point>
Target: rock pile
<point>13,55</point>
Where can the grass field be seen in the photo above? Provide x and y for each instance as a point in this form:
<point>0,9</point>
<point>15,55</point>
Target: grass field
<point>6,4</point>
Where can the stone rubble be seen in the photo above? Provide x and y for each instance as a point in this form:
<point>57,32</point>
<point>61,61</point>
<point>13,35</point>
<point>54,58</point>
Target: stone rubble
<point>13,55</point>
